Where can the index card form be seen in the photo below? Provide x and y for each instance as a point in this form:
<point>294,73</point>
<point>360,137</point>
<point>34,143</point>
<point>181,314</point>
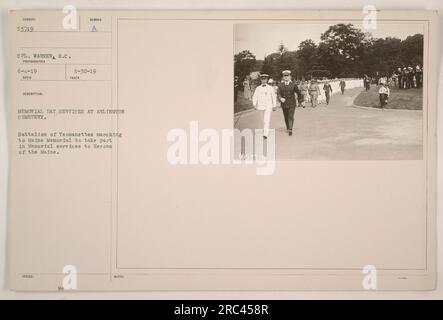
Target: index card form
<point>61,141</point>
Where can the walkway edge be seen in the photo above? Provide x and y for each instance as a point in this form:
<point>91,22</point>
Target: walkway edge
<point>380,109</point>
<point>243,112</point>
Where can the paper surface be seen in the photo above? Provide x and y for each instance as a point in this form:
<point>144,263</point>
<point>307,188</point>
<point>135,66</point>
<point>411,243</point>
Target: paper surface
<point>96,204</point>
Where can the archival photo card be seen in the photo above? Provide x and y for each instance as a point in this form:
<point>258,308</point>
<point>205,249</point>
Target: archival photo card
<point>222,150</point>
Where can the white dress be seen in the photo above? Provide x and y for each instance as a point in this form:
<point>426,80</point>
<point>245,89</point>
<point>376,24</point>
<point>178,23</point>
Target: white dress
<point>247,94</point>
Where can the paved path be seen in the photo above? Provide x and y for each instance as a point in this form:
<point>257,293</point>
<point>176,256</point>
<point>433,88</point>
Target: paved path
<point>343,132</point>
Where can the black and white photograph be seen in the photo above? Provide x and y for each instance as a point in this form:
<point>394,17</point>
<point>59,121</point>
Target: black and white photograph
<point>338,91</point>
<point>270,152</point>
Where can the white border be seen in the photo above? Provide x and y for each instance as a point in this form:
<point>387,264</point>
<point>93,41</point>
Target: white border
<point>5,5</point>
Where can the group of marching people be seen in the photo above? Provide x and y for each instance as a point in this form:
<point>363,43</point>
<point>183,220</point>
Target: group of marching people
<point>408,77</point>
<point>286,94</point>
<point>403,78</point>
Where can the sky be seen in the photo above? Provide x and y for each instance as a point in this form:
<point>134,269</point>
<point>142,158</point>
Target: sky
<point>264,38</point>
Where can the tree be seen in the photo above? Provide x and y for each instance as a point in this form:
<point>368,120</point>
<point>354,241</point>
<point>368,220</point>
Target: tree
<point>307,55</point>
<point>288,61</point>
<point>271,65</point>
<point>281,48</point>
<point>244,63</point>
<point>344,51</point>
<point>383,56</point>
<point>341,50</point>
<point>386,55</point>
<point>281,60</point>
<point>412,50</point>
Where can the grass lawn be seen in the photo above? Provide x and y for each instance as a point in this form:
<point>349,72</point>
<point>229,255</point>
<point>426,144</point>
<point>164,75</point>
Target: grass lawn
<point>410,99</point>
<point>242,103</point>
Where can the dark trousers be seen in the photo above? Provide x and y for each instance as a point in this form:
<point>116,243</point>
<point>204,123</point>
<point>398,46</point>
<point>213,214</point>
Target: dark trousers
<point>288,113</point>
<point>419,80</point>
<point>342,90</point>
<point>383,99</point>
<point>328,96</point>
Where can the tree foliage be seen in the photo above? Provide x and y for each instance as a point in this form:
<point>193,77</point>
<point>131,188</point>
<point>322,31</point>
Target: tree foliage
<point>343,51</point>
<point>244,63</point>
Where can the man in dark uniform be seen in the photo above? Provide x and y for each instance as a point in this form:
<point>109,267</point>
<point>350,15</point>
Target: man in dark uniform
<point>400,79</point>
<point>410,77</point>
<point>419,76</point>
<point>287,93</point>
<point>328,91</point>
<point>405,76</point>
<point>342,86</point>
<point>367,82</point>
